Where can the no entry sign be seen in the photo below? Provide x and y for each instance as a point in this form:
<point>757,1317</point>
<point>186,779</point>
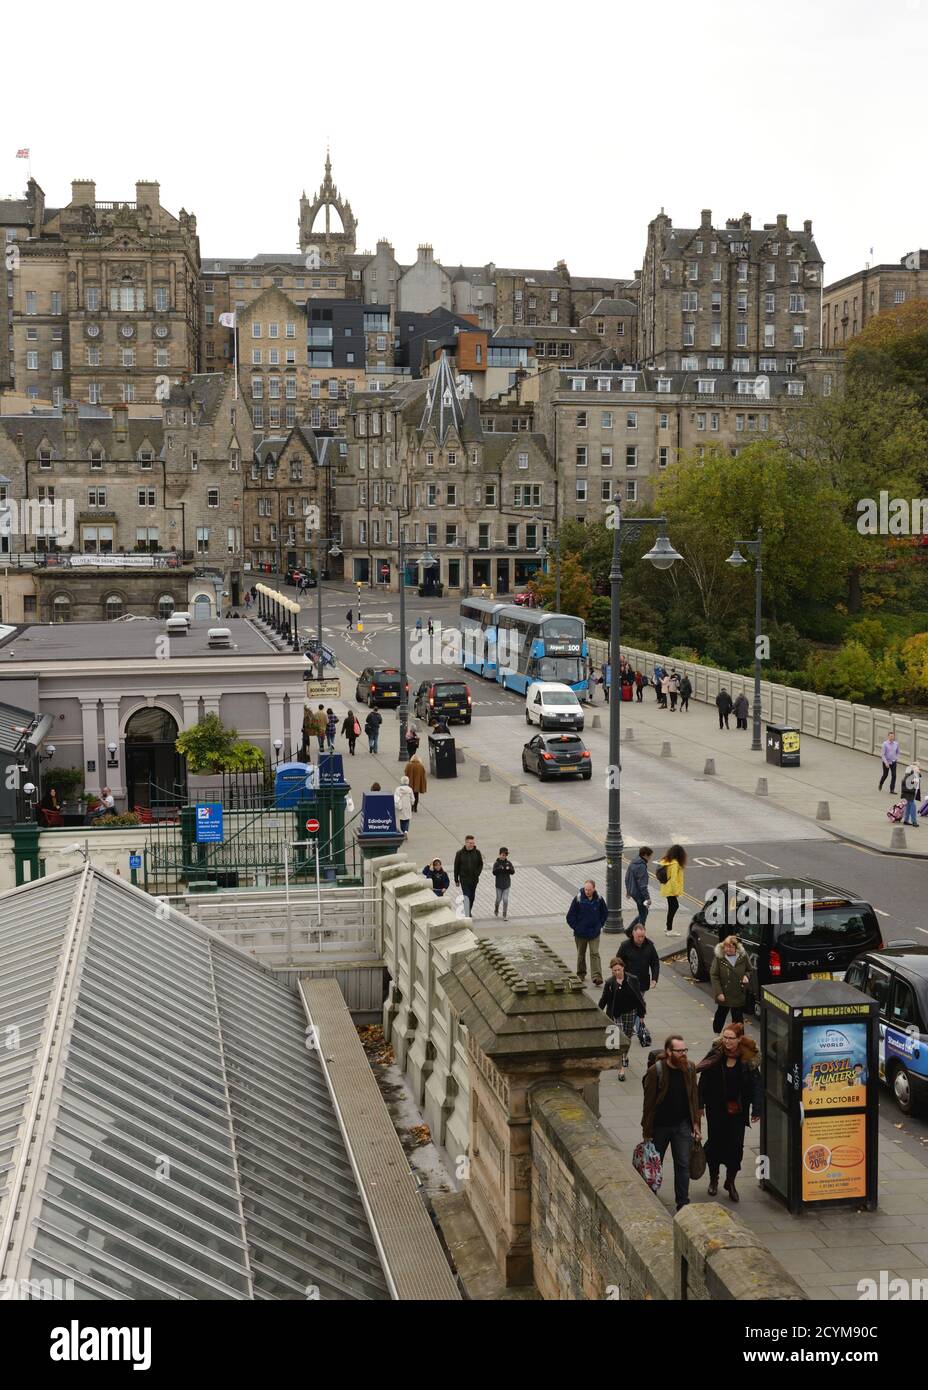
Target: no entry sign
<point>312,825</point>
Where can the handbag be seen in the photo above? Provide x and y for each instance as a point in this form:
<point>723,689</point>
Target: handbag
<point>697,1160</point>
<point>647,1161</point>
<point>644,1037</point>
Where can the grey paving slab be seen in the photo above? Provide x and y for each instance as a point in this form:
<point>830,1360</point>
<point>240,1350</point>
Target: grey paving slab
<point>856,1256</point>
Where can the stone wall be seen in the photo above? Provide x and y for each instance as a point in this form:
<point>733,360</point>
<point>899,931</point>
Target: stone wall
<point>836,721</point>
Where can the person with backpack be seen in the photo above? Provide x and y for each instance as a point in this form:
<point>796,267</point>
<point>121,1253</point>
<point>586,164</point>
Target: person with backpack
<point>729,977</point>
<point>372,728</point>
<point>723,703</point>
<point>586,918</point>
<point>623,1003</point>
<point>503,870</point>
<point>351,730</point>
<point>658,678</point>
<point>670,1114</point>
<point>438,878</point>
<point>670,876</point>
<point>730,1093</point>
<point>636,883</point>
<point>686,690</point>
<point>415,771</point>
<point>909,789</point>
<point>412,740</point>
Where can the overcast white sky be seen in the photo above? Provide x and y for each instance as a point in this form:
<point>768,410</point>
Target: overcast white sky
<point>522,133</point>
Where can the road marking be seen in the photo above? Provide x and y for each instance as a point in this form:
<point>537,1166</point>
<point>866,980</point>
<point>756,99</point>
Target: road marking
<point>880,912</point>
<point>740,850</point>
<point>924,929</point>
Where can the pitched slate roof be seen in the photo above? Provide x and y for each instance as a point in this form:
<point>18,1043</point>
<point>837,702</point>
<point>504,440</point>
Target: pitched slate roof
<point>444,410</point>
<point>676,239</point>
<point>608,307</point>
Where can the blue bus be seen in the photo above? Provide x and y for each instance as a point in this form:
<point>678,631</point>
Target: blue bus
<point>544,647</point>
<point>478,635</point>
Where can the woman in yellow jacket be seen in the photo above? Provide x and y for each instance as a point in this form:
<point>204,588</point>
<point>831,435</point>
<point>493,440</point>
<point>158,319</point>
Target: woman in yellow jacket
<point>670,876</point>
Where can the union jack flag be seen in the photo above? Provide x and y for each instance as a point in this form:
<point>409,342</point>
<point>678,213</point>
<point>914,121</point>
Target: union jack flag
<point>22,154</point>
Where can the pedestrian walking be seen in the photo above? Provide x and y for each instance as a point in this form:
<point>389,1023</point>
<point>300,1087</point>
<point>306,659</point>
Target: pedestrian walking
<point>351,730</point>
<point>372,728</point>
<point>670,1114</point>
<point>503,870</point>
<point>686,690</point>
<point>623,1003</point>
<point>586,918</point>
<point>412,740</point>
<point>642,961</point>
<point>730,1094</point>
<point>431,627</point>
<point>889,755</point>
<point>402,800</point>
<point>248,598</point>
<point>729,976</point>
<point>331,728</point>
<point>740,708</point>
<point>438,878</point>
<point>415,771</point>
<point>348,617</point>
<point>723,703</point>
<point>674,691</point>
<point>665,690</point>
<point>308,722</point>
<point>639,686</point>
<point>670,875</point>
<point>320,724</point>
<point>909,789</point>
<point>468,866</point>
<point>636,883</point>
<point>418,627</point>
<point>658,678</point>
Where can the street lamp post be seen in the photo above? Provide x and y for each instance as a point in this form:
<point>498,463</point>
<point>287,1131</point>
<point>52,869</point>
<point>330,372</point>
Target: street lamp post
<point>661,555</point>
<point>737,559</point>
<point>426,560</point>
<point>334,551</point>
<point>544,551</point>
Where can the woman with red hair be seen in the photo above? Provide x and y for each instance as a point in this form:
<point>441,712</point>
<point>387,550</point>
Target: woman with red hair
<point>730,1095</point>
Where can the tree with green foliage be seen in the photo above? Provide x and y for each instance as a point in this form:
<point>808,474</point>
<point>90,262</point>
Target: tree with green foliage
<point>210,746</point>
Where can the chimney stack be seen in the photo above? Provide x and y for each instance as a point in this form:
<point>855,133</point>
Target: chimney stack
<point>807,226</point>
<point>781,222</point>
<point>147,195</point>
<point>120,423</point>
<point>83,192</point>
<point>706,222</point>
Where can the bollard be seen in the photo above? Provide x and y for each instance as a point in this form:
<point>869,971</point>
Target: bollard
<point>823,812</point>
<point>484,773</point>
<point>709,769</point>
<point>629,734</point>
<point>596,722</point>
<point>553,820</point>
<point>515,796</point>
<point>761,786</point>
<point>458,754</point>
<point>665,751</point>
<point>897,839</point>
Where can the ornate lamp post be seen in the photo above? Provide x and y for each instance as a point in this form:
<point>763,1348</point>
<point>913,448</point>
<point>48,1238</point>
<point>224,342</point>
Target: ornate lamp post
<point>737,559</point>
<point>662,555</point>
<point>426,560</point>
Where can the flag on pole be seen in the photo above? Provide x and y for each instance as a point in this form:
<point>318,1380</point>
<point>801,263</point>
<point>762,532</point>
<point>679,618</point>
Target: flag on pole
<point>227,320</point>
<point>22,154</point>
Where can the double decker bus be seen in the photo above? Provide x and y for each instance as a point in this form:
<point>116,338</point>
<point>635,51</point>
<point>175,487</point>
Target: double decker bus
<point>477,622</point>
<point>539,646</point>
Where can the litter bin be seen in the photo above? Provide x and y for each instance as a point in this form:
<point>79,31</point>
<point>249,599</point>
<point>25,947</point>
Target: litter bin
<point>442,757</point>
<point>783,745</point>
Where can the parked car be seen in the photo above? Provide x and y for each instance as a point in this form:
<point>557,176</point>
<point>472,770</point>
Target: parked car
<point>553,756</point>
<point>523,599</point>
<point>897,978</point>
<point>448,699</point>
<point>553,705</point>
<point>791,928</point>
<point>379,685</point>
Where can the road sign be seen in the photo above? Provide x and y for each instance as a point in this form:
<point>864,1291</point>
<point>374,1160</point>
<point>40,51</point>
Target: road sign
<point>135,861</point>
<point>384,569</point>
<point>209,823</point>
<point>312,825</point>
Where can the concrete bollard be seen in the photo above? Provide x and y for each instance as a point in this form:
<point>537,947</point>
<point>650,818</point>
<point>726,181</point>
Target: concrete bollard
<point>484,773</point>
<point>761,786</point>
<point>629,734</point>
<point>897,839</point>
<point>823,812</point>
<point>666,751</point>
<point>553,820</point>
<point>515,796</point>
<point>458,754</point>
<point>709,769</point>
<point>596,722</point>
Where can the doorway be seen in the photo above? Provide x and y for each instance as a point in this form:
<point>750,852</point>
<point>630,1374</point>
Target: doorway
<point>202,607</point>
<point>155,771</point>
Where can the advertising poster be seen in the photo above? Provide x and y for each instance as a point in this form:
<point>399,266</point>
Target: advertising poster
<point>834,1153</point>
<point>834,1066</point>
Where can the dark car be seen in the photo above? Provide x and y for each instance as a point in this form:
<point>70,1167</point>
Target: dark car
<point>791,928</point>
<point>897,978</point>
<point>557,755</point>
<point>379,685</point>
<point>449,700</point>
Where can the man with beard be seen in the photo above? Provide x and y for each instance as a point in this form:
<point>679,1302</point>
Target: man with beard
<point>671,1113</point>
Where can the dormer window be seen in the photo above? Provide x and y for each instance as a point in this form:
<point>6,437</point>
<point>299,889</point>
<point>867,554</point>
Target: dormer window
<point>45,458</point>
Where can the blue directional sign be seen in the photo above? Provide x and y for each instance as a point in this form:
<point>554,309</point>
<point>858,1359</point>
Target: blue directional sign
<point>209,823</point>
<point>135,861</point>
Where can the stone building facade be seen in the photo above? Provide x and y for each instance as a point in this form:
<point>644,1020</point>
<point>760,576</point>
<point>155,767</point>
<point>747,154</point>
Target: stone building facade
<point>287,500</point>
<point>105,302</point>
<point>729,299</point>
<point>615,324</point>
<point>849,304</point>
<point>529,297</point>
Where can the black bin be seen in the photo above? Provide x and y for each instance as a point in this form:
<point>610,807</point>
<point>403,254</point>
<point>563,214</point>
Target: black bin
<point>783,745</point>
<point>442,757</point>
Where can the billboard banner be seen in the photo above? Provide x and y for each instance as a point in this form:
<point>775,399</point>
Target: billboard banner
<point>834,1066</point>
<point>834,1157</point>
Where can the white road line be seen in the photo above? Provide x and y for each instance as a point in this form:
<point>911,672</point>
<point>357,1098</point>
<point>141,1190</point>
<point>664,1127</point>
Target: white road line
<point>879,911</point>
<point>924,929</point>
<point>739,850</point>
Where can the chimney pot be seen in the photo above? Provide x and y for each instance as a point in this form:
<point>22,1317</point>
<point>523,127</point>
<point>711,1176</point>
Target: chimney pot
<point>706,221</point>
<point>807,226</point>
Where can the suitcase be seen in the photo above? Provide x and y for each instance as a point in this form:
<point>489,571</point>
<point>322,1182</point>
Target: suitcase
<point>896,812</point>
<point>627,692</point>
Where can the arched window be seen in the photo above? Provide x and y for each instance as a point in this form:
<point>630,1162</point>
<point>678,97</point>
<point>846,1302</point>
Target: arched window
<point>61,609</point>
<point>166,605</point>
<point>113,607</point>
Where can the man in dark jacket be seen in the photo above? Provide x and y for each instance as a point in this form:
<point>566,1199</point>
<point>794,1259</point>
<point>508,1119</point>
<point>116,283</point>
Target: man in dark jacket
<point>636,883</point>
<point>741,711</point>
<point>372,728</point>
<point>641,958</point>
<point>468,866</point>
<point>723,704</point>
<point>670,1114</point>
<point>586,918</point>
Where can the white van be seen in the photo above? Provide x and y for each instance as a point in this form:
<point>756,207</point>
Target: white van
<point>551,705</point>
